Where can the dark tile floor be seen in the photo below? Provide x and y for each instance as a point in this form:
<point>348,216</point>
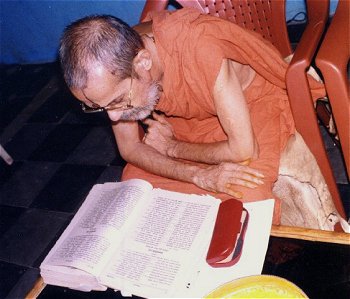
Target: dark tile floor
<point>60,153</point>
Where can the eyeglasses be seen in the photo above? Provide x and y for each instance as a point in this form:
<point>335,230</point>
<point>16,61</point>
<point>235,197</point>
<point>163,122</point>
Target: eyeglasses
<point>125,106</point>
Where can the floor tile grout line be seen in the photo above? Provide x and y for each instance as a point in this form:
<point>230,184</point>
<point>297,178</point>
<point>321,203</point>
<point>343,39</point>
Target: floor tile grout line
<point>49,89</point>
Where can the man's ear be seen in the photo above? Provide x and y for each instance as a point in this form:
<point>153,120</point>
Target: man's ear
<point>143,60</point>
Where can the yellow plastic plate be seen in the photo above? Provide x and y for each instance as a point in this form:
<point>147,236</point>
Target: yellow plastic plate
<point>259,286</point>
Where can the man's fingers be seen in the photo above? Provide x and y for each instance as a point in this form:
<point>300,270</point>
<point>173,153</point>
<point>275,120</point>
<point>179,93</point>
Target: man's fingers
<point>251,178</point>
<point>242,182</point>
<point>242,168</point>
<point>158,122</point>
<point>148,121</point>
<point>159,118</point>
<point>251,171</point>
<point>244,174</point>
<point>231,191</point>
<point>153,126</point>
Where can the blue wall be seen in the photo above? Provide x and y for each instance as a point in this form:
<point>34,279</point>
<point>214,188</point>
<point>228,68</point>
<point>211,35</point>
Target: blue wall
<point>30,30</point>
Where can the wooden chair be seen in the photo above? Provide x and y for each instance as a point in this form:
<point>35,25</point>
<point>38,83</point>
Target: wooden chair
<point>332,60</point>
<point>268,18</point>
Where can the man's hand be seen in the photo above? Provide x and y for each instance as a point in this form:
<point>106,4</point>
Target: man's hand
<point>225,176</point>
<point>160,135</point>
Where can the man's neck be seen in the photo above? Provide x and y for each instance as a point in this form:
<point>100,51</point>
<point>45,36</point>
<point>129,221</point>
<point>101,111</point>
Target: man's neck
<point>144,28</point>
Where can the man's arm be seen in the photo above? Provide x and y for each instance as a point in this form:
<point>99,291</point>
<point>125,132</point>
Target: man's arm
<point>218,178</point>
<point>233,114</point>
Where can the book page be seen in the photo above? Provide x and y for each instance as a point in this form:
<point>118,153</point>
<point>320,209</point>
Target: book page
<point>99,225</point>
<point>253,253</point>
<point>162,250</point>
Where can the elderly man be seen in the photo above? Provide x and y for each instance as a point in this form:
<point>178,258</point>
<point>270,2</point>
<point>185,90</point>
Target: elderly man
<point>215,93</point>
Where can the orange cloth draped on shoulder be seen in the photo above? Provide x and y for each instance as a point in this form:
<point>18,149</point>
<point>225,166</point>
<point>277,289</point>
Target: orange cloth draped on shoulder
<point>191,47</point>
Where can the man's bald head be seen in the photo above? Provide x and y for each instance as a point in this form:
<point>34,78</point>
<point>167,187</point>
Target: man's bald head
<point>98,39</point>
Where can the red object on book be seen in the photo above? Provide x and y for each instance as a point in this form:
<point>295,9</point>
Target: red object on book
<point>228,236</point>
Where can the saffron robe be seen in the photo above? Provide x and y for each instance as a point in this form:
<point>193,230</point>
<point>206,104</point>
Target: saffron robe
<point>191,48</point>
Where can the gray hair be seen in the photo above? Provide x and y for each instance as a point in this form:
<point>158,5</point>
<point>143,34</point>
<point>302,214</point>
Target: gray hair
<point>101,39</point>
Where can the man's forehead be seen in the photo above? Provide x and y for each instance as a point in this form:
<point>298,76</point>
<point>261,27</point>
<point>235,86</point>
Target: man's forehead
<point>99,74</point>
<point>102,87</point>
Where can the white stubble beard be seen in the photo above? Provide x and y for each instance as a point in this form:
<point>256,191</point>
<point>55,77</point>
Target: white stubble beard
<point>140,113</point>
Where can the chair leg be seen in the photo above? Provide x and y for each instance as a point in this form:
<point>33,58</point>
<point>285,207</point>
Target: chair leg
<point>3,154</point>
<point>324,115</point>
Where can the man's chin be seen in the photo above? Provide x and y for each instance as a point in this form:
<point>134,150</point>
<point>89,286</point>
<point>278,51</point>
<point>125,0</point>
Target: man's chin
<point>140,113</point>
<point>133,116</point>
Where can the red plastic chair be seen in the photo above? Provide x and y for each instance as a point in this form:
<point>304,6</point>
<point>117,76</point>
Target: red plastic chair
<point>300,97</point>
<point>268,18</point>
<point>332,60</point>
<point>263,17</point>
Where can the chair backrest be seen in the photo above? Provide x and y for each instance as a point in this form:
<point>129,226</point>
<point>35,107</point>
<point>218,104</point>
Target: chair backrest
<point>266,17</point>
<point>300,98</point>
<point>332,60</point>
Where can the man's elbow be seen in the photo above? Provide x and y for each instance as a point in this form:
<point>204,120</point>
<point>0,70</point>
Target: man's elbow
<point>246,154</point>
<point>243,159</point>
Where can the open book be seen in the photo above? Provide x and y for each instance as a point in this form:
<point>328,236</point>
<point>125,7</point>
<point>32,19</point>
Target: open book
<point>142,241</point>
